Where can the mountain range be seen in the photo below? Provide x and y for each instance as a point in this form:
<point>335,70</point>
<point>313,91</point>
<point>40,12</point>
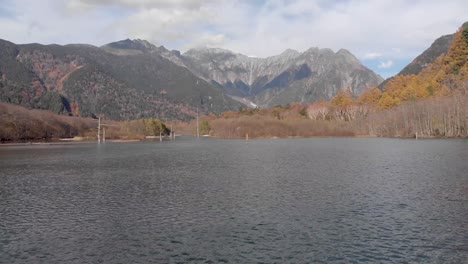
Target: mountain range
<point>83,80</point>
<point>131,79</point>
<point>292,76</point>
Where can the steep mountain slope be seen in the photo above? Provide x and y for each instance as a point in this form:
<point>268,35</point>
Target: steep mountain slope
<point>20,85</point>
<point>85,80</point>
<point>446,75</point>
<point>292,76</point>
<point>439,47</point>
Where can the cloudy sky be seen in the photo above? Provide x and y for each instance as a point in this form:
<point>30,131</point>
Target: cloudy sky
<point>384,35</point>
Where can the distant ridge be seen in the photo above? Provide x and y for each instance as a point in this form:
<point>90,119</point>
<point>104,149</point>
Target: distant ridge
<point>292,76</point>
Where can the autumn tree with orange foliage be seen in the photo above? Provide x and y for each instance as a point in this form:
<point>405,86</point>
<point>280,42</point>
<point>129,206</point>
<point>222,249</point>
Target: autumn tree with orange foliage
<point>370,96</point>
<point>343,99</point>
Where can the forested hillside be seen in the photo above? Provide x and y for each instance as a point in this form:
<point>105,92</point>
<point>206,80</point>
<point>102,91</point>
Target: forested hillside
<point>446,76</point>
<point>83,80</point>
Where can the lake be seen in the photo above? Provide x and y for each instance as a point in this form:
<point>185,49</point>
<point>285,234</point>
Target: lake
<point>319,200</point>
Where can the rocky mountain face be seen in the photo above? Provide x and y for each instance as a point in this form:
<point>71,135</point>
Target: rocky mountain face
<point>292,76</point>
<point>138,47</point>
<point>122,80</point>
<point>313,75</point>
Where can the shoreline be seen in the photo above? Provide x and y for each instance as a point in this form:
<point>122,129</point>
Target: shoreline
<point>54,143</point>
<point>62,142</point>
<point>355,136</point>
<point>66,142</point>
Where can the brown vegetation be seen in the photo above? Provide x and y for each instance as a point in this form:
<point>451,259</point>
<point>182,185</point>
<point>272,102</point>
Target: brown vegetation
<point>288,121</point>
<point>434,117</point>
<point>253,127</point>
<point>20,124</point>
<point>137,129</point>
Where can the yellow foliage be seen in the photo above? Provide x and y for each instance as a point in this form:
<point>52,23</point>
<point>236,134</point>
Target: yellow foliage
<point>343,99</point>
<point>446,75</point>
<point>370,96</point>
<point>387,101</point>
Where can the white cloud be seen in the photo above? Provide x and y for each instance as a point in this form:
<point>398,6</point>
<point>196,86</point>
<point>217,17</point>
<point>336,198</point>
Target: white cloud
<point>262,28</point>
<point>372,55</point>
<point>140,4</point>
<point>385,64</point>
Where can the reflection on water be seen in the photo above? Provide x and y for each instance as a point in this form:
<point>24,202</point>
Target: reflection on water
<point>211,201</point>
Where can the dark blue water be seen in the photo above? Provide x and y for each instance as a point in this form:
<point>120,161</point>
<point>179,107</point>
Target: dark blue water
<point>212,201</point>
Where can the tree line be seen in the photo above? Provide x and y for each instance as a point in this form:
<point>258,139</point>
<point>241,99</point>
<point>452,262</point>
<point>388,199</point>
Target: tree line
<point>437,116</point>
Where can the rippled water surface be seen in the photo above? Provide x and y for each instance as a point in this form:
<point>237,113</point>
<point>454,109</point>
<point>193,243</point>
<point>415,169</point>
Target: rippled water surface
<point>212,201</point>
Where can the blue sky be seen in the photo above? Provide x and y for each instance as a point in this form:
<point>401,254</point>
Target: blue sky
<point>384,35</point>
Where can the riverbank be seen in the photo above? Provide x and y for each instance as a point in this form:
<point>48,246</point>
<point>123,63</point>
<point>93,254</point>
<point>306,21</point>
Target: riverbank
<point>65,142</point>
<point>73,141</point>
<point>19,144</point>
